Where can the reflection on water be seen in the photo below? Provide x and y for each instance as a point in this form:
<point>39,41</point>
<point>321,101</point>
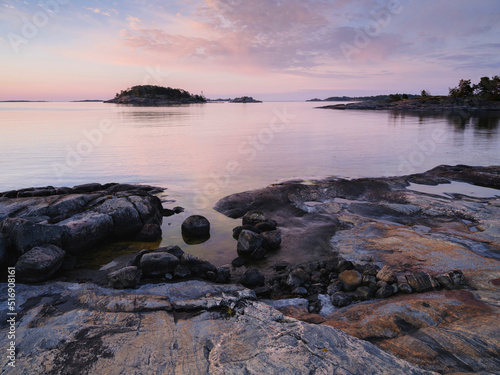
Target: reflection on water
<point>485,123</point>
<point>202,153</point>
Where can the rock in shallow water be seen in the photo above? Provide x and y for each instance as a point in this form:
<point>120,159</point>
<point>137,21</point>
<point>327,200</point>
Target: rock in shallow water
<point>196,226</point>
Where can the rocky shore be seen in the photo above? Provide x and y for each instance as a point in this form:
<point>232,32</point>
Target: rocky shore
<point>431,103</point>
<point>368,225</point>
<point>388,277</point>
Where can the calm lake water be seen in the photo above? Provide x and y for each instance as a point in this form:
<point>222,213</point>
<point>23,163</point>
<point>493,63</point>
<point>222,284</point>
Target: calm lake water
<point>204,152</point>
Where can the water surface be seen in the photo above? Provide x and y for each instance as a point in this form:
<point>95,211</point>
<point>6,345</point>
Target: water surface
<point>204,152</point>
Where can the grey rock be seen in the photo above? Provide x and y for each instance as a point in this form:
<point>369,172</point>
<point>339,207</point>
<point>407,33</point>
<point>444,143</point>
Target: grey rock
<point>422,282</point>
<point>238,262</point>
<point>266,226</point>
<point>104,331</point>
<point>259,253</point>
<point>126,277</point>
<point>340,299</point>
<point>182,271</point>
<point>223,275</point>
<point>149,233</point>
<point>196,226</point>
<point>25,235</point>
<point>370,281</point>
<point>85,230</point>
<point>248,242</point>
<point>252,278</point>
<point>126,219</point>
<point>385,292</point>
<point>363,293</point>
<point>199,267</point>
<point>335,286</point>
<point>297,277</point>
<point>301,291</point>
<point>136,260</point>
<point>237,230</point>
<point>387,274</point>
<point>253,217</point>
<point>174,250</point>
<point>451,280</point>
<point>272,239</point>
<point>40,263</point>
<point>344,265</point>
<point>158,264</point>
<point>280,303</point>
<point>405,288</point>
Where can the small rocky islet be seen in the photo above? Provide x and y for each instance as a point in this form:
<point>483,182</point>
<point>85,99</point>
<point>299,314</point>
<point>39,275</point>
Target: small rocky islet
<point>389,280</point>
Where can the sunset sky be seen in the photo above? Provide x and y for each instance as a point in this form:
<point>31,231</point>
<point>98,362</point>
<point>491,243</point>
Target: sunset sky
<point>272,50</point>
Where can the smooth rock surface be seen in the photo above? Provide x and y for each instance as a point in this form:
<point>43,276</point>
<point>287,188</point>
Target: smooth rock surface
<point>80,328</point>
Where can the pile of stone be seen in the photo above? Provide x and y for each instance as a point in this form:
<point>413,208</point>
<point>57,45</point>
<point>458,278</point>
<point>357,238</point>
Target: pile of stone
<point>166,264</point>
<point>256,237</point>
<point>345,283</point>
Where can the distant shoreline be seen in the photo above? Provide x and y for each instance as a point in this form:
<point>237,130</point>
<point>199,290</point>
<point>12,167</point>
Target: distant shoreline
<point>431,103</point>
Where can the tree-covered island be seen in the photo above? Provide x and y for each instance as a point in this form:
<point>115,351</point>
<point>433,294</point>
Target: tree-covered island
<point>150,95</point>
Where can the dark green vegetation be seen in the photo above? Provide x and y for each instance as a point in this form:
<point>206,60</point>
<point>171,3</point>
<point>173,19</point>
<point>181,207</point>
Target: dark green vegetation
<point>487,88</point>
<point>159,93</point>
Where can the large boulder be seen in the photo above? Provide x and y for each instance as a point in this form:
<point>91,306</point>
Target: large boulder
<point>86,229</point>
<point>40,263</point>
<point>126,219</point>
<point>158,264</point>
<point>25,235</point>
<point>196,226</point>
<point>126,277</point>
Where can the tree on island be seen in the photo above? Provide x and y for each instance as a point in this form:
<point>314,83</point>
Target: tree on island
<point>487,88</point>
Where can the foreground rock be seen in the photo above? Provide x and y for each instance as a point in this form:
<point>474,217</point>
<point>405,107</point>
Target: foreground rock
<point>200,328</point>
<point>410,247</point>
<point>75,220</point>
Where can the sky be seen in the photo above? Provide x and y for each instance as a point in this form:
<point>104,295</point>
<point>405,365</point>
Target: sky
<point>269,49</point>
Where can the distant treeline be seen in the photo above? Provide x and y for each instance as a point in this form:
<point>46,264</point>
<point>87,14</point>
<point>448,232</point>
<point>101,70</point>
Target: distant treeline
<point>159,92</point>
<point>363,98</point>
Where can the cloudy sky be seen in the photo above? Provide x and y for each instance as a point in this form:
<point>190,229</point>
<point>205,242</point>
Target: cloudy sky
<point>270,49</point>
